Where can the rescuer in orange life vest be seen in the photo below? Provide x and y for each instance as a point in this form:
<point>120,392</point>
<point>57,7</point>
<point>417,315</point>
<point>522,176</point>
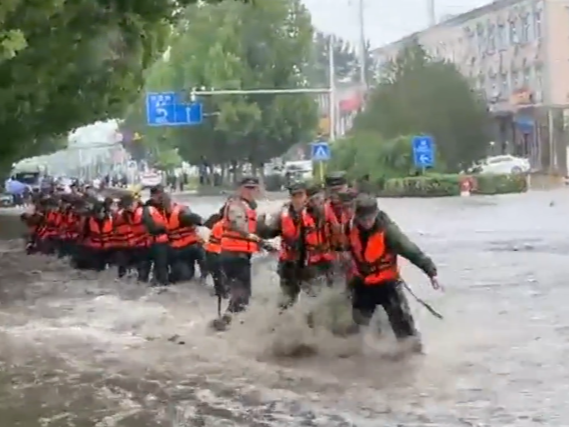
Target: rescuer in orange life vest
<point>374,243</point>
<point>309,233</point>
<point>336,183</point>
<point>95,240</point>
<point>158,247</point>
<point>173,227</point>
<point>239,241</point>
<point>213,253</point>
<point>131,239</point>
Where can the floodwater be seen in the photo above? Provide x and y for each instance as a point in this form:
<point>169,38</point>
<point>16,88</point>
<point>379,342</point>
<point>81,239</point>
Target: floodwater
<point>80,349</point>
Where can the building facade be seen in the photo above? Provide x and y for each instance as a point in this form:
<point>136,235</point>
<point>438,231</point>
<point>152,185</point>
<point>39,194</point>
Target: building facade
<point>516,53</point>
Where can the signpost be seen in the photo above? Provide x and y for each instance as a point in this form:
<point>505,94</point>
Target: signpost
<point>423,151</point>
<point>320,153</point>
<point>163,109</point>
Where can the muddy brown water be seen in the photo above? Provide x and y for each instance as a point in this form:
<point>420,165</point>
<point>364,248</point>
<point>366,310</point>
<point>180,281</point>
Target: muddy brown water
<point>80,349</point>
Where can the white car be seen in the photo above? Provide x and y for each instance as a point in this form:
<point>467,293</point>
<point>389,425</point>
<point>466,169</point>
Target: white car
<point>302,169</point>
<point>503,164</point>
<point>150,179</point>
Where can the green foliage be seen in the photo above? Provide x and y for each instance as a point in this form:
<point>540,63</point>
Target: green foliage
<point>232,45</point>
<point>168,159</point>
<point>420,95</point>
<point>422,186</point>
<point>66,64</point>
<point>443,185</point>
<point>500,184</point>
<point>367,153</point>
<point>346,61</point>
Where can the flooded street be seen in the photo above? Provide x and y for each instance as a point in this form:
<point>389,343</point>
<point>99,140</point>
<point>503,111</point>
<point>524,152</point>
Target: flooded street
<point>81,349</point>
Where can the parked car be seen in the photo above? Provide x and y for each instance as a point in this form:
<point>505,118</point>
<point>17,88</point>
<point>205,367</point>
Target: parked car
<point>503,164</point>
<point>6,200</point>
<point>150,179</point>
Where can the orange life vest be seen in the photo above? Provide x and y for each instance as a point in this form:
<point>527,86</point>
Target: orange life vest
<point>159,219</point>
<point>122,233</point>
<point>374,263</point>
<point>316,238</point>
<point>232,241</point>
<point>72,229</point>
<point>51,224</point>
<point>179,235</point>
<point>99,236</point>
<point>139,236</point>
<point>213,244</point>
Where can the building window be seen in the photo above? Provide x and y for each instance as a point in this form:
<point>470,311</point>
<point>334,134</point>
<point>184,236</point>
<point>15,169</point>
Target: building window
<point>526,79</point>
<point>537,83</point>
<point>491,38</point>
<point>524,36</point>
<point>482,83</point>
<point>493,89</point>
<point>480,36</point>
<point>505,85</point>
<point>501,37</point>
<point>514,31</point>
<point>537,18</point>
<point>516,82</point>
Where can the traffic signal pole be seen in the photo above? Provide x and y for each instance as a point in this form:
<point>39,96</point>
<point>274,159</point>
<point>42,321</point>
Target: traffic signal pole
<point>331,91</point>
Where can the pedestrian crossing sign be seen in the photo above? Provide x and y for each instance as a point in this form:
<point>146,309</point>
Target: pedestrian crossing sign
<point>320,152</point>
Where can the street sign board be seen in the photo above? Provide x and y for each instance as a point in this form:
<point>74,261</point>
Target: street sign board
<point>163,109</point>
<point>320,152</point>
<point>423,151</point>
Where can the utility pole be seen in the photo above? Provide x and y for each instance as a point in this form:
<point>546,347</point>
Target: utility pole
<point>332,96</point>
<point>363,50</point>
<point>432,13</point>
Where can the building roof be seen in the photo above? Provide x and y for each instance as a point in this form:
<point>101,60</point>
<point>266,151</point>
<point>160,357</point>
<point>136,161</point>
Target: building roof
<point>455,21</point>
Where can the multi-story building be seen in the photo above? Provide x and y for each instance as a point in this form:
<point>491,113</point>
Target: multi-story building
<point>516,52</point>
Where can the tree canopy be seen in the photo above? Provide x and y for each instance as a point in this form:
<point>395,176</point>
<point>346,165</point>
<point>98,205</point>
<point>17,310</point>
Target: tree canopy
<point>421,95</point>
<point>346,60</point>
<point>264,45</point>
<point>66,64</point>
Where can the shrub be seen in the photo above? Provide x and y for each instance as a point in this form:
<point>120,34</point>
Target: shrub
<point>500,184</point>
<point>449,185</point>
<point>421,186</point>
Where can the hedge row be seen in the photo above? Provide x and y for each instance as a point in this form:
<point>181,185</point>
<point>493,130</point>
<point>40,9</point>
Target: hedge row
<point>449,185</point>
<point>430,185</point>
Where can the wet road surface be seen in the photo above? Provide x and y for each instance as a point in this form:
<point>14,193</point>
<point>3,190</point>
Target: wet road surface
<point>79,349</point>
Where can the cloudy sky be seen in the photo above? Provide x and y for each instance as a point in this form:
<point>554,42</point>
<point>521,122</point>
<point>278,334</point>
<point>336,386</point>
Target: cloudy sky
<point>385,20</point>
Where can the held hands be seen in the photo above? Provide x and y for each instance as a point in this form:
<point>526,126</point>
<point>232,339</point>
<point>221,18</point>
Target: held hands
<point>267,246</point>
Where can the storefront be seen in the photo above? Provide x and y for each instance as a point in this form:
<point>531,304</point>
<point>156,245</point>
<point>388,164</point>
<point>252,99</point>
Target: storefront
<point>526,141</point>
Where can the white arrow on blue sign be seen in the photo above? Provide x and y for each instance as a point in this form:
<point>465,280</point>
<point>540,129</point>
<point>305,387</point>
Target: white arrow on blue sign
<point>423,151</point>
<point>164,109</point>
<point>320,152</point>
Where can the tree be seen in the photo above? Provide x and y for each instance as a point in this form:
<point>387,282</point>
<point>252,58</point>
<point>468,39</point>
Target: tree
<point>233,45</point>
<point>419,95</point>
<point>346,60</point>
<point>66,64</point>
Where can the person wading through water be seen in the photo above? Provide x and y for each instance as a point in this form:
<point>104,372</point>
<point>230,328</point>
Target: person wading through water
<point>374,243</point>
<point>239,241</point>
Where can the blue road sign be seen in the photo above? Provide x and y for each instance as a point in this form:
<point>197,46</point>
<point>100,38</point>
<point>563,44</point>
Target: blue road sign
<point>320,152</point>
<point>423,151</point>
<point>163,109</point>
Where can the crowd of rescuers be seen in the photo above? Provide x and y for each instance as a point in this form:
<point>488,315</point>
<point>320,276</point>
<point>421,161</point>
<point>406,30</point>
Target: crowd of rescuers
<point>331,236</point>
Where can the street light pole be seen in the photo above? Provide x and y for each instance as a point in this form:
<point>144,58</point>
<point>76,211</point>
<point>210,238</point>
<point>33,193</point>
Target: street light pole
<point>432,13</point>
<point>363,50</point>
<point>332,92</point>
